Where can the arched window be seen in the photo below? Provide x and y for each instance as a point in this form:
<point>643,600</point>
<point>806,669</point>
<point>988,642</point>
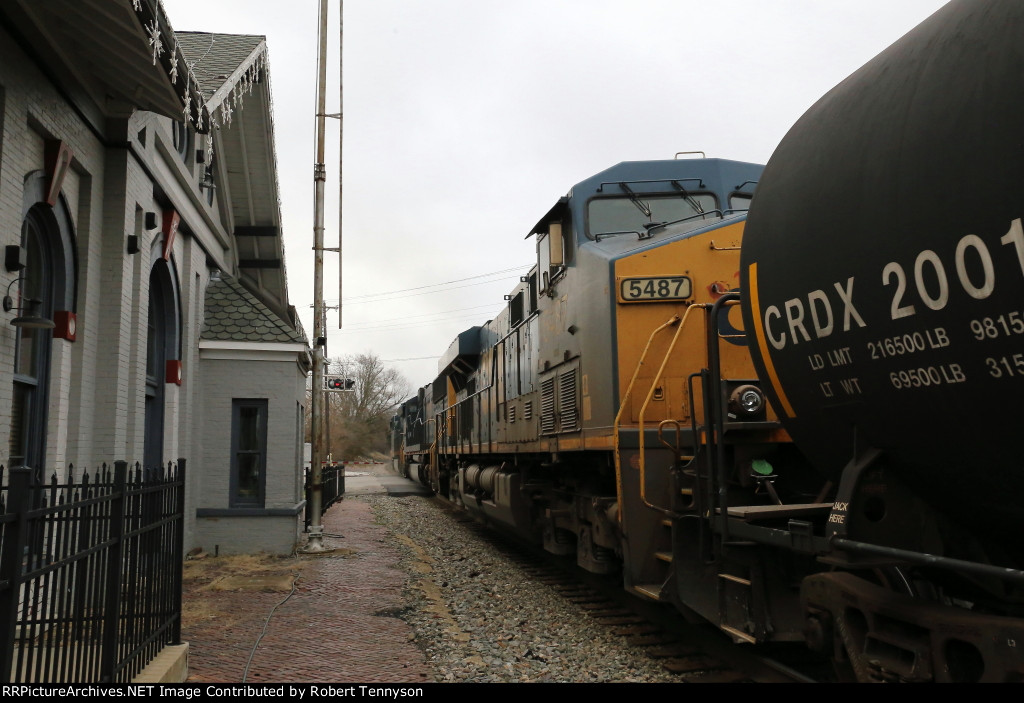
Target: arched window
<point>44,285</point>
<point>183,140</point>
<point>162,345</point>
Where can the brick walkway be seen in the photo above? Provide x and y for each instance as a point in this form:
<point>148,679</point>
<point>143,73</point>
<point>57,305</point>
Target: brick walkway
<point>337,626</point>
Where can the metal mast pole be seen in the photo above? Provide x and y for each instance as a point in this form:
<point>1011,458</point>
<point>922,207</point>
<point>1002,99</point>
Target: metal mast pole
<point>341,143</point>
<point>327,395</point>
<point>316,529</point>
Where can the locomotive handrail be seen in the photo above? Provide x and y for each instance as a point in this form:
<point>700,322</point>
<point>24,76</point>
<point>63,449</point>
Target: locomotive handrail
<point>717,412</point>
<point>647,401</point>
<point>700,500</point>
<point>677,445</point>
<point>675,320</point>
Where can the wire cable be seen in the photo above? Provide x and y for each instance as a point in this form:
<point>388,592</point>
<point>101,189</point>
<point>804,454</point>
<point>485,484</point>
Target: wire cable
<point>266,624</point>
<point>380,297</point>
<point>405,320</point>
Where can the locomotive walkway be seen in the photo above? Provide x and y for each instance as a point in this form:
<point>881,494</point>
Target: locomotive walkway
<point>326,618</point>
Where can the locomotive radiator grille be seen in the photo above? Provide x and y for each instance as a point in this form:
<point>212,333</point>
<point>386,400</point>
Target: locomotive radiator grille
<point>569,414</point>
<point>547,406</point>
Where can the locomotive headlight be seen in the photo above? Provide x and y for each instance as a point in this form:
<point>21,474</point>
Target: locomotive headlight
<point>746,402</point>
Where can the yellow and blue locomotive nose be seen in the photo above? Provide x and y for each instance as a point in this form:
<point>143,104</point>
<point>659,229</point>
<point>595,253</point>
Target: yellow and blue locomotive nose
<point>681,278</point>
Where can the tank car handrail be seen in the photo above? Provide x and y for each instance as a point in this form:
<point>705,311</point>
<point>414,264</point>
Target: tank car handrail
<point>925,559</point>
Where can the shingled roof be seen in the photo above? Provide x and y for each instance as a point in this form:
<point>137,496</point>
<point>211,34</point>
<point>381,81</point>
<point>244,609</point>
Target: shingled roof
<point>233,314</point>
<point>234,74</point>
<point>215,58</point>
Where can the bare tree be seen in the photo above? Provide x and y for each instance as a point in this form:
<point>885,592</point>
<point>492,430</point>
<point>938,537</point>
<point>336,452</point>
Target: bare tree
<point>359,417</point>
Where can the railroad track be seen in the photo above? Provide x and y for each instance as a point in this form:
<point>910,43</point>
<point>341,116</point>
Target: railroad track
<point>696,653</point>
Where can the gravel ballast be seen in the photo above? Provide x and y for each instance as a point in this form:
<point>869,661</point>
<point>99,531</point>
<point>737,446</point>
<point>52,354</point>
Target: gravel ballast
<point>480,618</point>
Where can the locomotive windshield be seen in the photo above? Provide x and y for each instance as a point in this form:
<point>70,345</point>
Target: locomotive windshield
<point>641,214</point>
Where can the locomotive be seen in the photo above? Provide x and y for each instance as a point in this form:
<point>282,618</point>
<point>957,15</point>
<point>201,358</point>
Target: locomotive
<point>780,399</point>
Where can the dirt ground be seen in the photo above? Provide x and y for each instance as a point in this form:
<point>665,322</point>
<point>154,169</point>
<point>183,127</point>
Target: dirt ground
<point>204,573</point>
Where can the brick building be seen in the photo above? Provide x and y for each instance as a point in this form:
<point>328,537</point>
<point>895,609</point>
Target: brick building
<point>139,214</point>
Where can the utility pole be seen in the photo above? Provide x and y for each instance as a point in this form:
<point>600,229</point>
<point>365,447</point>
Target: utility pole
<point>315,542</point>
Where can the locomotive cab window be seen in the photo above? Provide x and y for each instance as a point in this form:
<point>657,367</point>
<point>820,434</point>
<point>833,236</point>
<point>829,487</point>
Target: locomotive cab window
<point>739,203</point>
<point>639,215</point>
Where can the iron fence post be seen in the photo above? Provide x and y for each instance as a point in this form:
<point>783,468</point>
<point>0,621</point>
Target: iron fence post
<point>179,548</point>
<point>10,566</point>
<point>89,524</point>
<point>112,607</point>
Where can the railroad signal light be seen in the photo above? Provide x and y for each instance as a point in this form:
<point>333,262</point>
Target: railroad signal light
<point>341,384</point>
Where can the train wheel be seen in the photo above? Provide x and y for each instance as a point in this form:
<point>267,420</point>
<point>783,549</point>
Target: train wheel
<point>849,662</point>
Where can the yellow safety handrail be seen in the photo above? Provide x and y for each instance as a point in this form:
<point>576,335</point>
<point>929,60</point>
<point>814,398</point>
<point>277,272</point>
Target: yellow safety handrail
<point>675,320</point>
<point>434,468</point>
<point>647,401</point>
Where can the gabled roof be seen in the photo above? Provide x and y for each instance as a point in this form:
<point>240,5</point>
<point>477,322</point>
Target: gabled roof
<point>219,61</point>
<point>233,314</point>
<point>233,72</point>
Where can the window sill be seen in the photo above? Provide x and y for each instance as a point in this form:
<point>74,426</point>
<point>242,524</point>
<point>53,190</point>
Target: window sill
<point>250,511</point>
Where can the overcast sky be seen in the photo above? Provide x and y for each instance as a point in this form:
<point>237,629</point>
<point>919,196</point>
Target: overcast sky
<point>465,120</point>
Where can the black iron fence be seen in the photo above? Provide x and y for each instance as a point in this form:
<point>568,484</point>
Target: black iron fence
<point>332,483</point>
<point>90,573</point>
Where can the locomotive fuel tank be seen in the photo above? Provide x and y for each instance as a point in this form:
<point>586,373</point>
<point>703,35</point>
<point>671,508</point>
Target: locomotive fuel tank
<point>883,268</point>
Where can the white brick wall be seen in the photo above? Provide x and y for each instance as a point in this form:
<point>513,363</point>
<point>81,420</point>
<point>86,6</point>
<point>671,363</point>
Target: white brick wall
<point>97,385</point>
<point>247,535</point>
<point>276,381</point>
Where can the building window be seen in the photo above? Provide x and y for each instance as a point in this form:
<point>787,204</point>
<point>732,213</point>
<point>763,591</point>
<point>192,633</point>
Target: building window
<point>46,284</point>
<point>32,348</point>
<point>182,140</point>
<point>248,452</point>
<point>162,344</point>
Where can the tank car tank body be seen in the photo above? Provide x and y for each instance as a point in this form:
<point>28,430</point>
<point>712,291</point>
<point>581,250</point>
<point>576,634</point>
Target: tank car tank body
<point>883,268</point>
<point>797,425</point>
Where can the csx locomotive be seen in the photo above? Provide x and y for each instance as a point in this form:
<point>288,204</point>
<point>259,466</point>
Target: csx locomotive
<point>800,422</point>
